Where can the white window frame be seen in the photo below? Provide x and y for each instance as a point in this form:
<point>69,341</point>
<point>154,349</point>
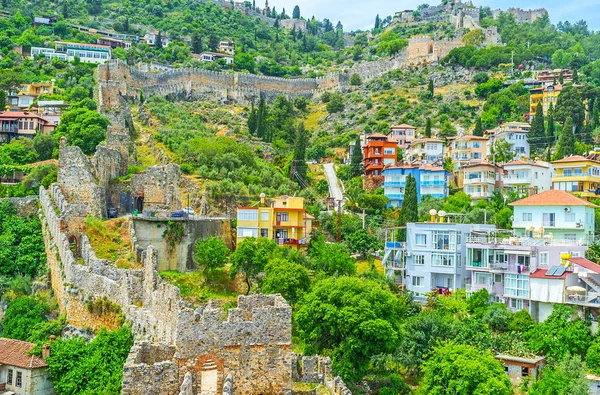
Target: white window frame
<point>424,239</point>
<point>418,281</point>
<point>419,260</point>
<point>264,215</point>
<point>544,258</point>
<point>247,215</point>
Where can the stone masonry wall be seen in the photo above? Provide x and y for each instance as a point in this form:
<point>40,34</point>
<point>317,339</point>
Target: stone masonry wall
<point>251,342</point>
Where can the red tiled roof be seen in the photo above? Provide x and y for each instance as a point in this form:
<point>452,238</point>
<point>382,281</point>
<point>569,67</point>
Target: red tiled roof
<point>20,114</point>
<point>377,135</point>
<point>426,140</point>
<point>541,273</point>
<point>15,353</point>
<point>574,158</point>
<point>403,126</point>
<point>586,264</point>
<point>520,162</point>
<point>553,197</point>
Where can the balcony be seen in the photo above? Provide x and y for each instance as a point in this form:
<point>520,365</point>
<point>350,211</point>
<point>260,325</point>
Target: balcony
<point>395,196</point>
<point>517,180</point>
<point>590,299</point>
<point>394,184</point>
<point>583,176</point>
<point>552,224</point>
<point>525,241</point>
<point>288,242</point>
<point>395,245</point>
<point>433,183</point>
<point>479,180</point>
<point>480,195</point>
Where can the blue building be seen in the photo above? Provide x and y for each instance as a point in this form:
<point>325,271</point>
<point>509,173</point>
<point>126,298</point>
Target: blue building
<point>431,181</point>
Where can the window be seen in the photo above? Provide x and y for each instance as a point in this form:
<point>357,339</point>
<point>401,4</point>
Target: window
<point>282,217</point>
<point>420,239</point>
<point>569,217</point>
<point>19,380</point>
<point>418,281</point>
<point>444,240</point>
<point>544,257</point>
<point>567,172</point>
<point>247,215</point>
<point>523,260</point>
<point>389,151</point>
<point>264,215</point>
<point>419,259</point>
<point>524,372</point>
<point>247,232</point>
<point>9,377</point>
<point>516,285</point>
<point>516,304</point>
<point>498,279</point>
<point>264,232</point>
<point>281,234</point>
<point>570,236</point>
<point>527,217</point>
<point>578,172</point>
<point>446,260</point>
<point>483,278</point>
<point>548,219</point>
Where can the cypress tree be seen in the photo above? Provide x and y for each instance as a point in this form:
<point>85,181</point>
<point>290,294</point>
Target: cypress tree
<point>550,133</point>
<point>478,131</point>
<point>575,76</point>
<point>196,42</point>
<point>537,135</point>
<point>252,121</point>
<point>356,160</point>
<point>296,13</point>
<point>409,211</point>
<point>299,158</point>
<point>561,78</point>
<point>566,143</point>
<point>596,112</point>
<point>430,88</point>
<point>158,43</point>
<point>427,132</point>
<point>261,119</point>
<point>377,22</point>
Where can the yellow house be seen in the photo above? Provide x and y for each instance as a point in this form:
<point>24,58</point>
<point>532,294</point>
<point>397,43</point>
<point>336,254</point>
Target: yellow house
<point>577,175</point>
<point>37,89</point>
<point>285,221</point>
<point>546,96</point>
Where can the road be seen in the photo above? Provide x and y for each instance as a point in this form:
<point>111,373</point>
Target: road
<point>334,185</point>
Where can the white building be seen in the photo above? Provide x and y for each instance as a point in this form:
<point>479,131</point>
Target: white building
<point>516,135</point>
<point>426,150</point>
<point>67,51</point>
<point>214,56</point>
<point>528,177</point>
<point>227,47</point>
<point>151,36</point>
<point>22,373</point>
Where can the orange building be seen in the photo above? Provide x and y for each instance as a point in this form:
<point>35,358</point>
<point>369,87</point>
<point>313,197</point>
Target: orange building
<point>379,152</point>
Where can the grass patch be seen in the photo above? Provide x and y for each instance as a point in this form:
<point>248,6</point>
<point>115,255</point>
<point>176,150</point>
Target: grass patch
<point>111,240</point>
<point>315,117</point>
<point>198,287</point>
<point>365,266</point>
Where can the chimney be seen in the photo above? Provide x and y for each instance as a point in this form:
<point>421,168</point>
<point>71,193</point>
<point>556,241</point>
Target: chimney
<point>46,351</point>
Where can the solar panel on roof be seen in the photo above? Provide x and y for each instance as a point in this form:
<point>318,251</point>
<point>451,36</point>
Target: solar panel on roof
<point>552,270</point>
<point>560,271</point>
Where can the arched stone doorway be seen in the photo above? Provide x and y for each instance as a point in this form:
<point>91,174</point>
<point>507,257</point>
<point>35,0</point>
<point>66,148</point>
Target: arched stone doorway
<point>74,245</point>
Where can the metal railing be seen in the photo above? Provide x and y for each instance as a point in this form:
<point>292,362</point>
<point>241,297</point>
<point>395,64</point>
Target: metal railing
<point>525,241</point>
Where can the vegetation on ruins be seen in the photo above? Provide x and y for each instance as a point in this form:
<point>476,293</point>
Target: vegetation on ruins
<point>211,253</point>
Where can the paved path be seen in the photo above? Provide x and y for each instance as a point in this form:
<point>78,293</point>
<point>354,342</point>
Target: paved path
<point>334,185</point>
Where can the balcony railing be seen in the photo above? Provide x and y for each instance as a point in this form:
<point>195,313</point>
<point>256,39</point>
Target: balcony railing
<point>392,184</point>
<point>525,241</point>
<point>479,180</point>
<point>582,174</point>
<point>396,196</point>
<point>480,194</point>
<point>517,179</point>
<point>550,224</point>
<point>433,183</point>
<point>585,299</point>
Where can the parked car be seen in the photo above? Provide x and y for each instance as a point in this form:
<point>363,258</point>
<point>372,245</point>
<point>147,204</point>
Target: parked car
<point>112,213</point>
<point>179,214</point>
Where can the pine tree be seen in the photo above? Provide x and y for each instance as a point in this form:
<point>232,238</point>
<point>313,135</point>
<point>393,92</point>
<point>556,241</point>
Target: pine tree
<point>409,211</point>
<point>261,125</point>
<point>65,9</point>
<point>142,99</point>
<point>126,25</point>
<point>252,120</point>
<point>430,88</point>
<point>377,22</point>
<point>299,159</point>
<point>537,135</point>
<point>561,78</point>
<point>566,143</point>
<point>427,132</point>
<point>478,131</point>
<point>158,43</point>
<point>296,13</point>
<point>254,5</point>
<point>196,42</point>
<point>575,76</point>
<point>550,133</point>
<point>356,160</point>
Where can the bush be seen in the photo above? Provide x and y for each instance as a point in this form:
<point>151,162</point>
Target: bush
<point>211,253</point>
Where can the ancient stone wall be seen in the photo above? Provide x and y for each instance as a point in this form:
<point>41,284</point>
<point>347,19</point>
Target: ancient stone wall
<point>159,187</point>
<point>251,342</point>
<point>24,206</point>
<point>523,16</point>
<point>298,24</point>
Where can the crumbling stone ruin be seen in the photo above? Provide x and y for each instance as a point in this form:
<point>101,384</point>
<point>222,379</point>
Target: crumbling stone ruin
<point>523,16</point>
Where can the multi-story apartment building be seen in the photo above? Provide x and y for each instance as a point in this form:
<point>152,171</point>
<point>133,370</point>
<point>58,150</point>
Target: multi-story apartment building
<point>426,150</point>
<point>544,96</point>
<point>467,149</point>
<point>285,221</point>
<point>113,42</point>
<point>403,135</point>
<point>480,180</point>
<point>16,124</point>
<point>578,175</point>
<point>87,53</point>
<point>515,133</point>
<point>553,76</point>
<point>430,180</point>
<point>555,214</point>
<point>379,152</point>
<point>227,47</point>
<point>527,177</point>
<point>435,256</point>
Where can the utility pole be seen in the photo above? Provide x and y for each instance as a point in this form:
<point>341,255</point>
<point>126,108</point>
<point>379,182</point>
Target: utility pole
<point>363,218</point>
<point>338,235</point>
<point>292,174</point>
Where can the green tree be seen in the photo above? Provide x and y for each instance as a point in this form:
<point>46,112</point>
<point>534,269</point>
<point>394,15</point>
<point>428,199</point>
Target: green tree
<point>356,160</point>
<point>521,321</point>
<point>363,242</point>
<point>83,126</point>
<point>296,12</point>
<point>410,205</point>
<point>454,369</point>
<point>559,335</point>
<point>250,258</point>
<point>352,320</point>
<point>211,253</point>
<point>592,358</point>
<point>478,131</point>
<point>196,42</point>
<point>566,143</point>
<point>568,378</point>
<point>299,165</point>
<point>570,105</point>
<point>43,146</point>
<point>479,303</point>
<point>430,88</point>
<point>96,367</point>
<point>23,313</point>
<point>289,279</point>
<point>475,37</point>
<point>427,133</point>
<point>500,152</point>
<point>377,22</point>
<point>550,132</point>
<point>497,317</point>
<point>335,104</point>
<point>332,259</point>
<point>158,44</point>
<point>355,80</point>
<point>244,61</point>
<point>537,134</point>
